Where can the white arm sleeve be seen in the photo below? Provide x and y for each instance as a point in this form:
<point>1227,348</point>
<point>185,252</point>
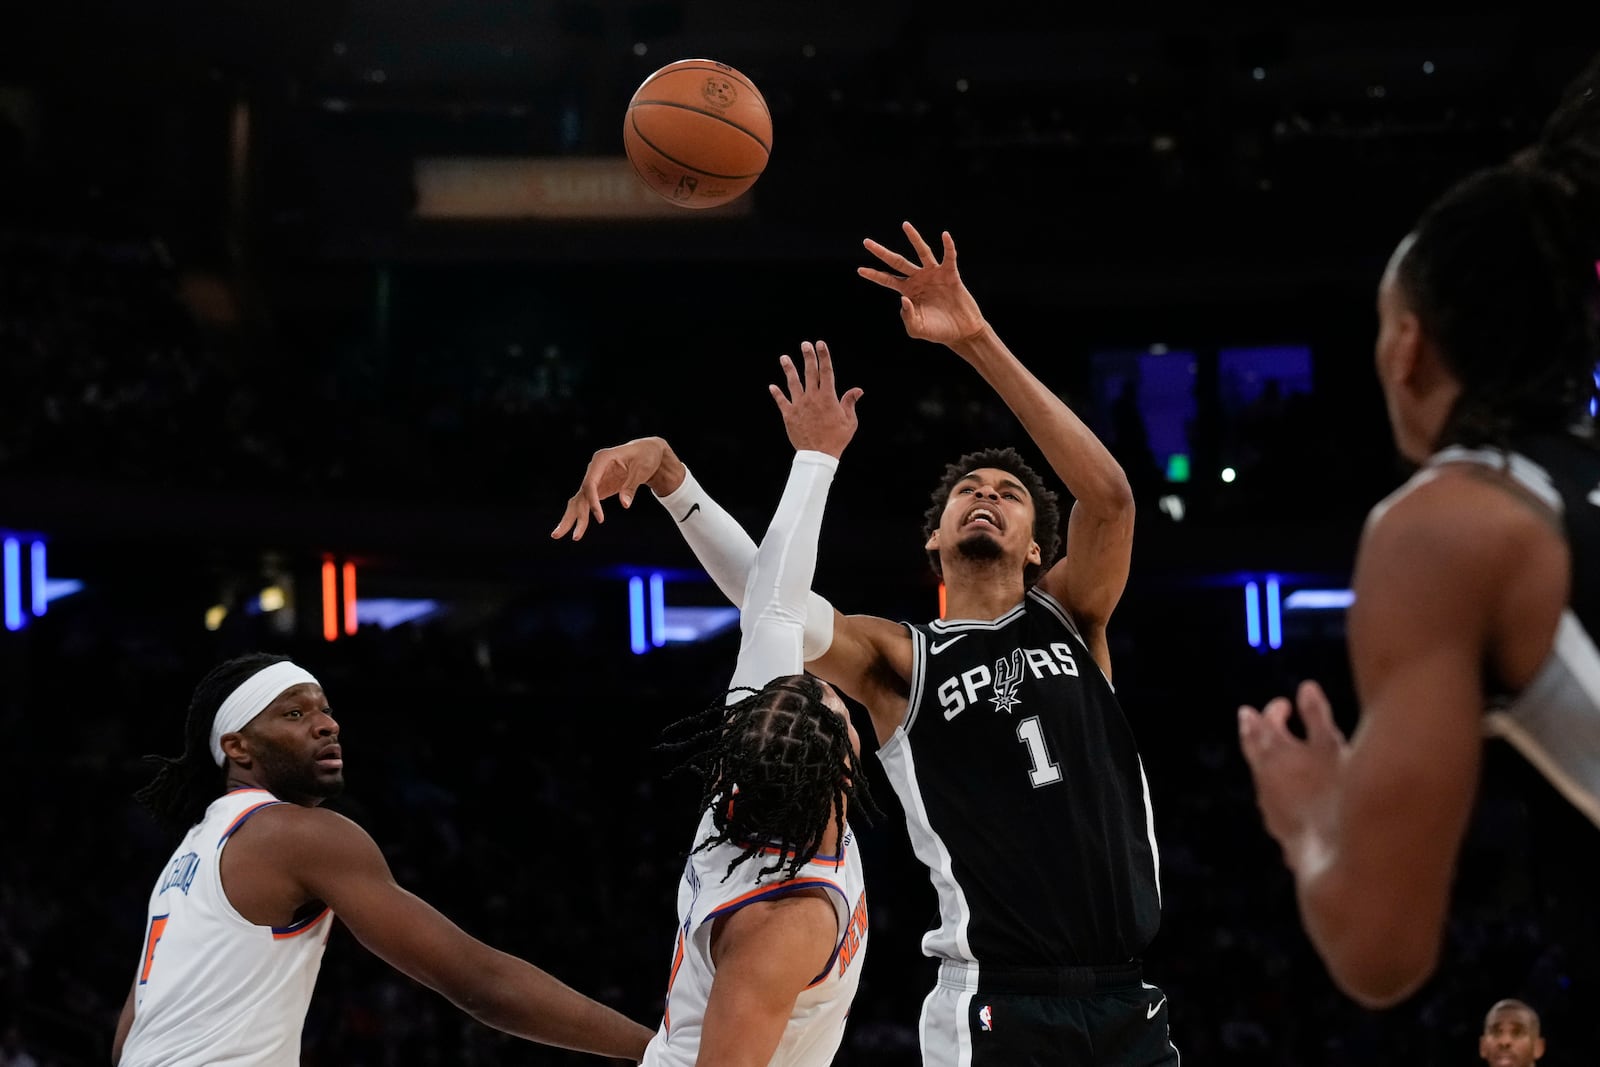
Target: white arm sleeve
<point>773,614</point>
<point>728,555</point>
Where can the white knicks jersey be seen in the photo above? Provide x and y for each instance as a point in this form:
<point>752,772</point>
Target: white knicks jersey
<point>816,1024</point>
<point>213,987</point>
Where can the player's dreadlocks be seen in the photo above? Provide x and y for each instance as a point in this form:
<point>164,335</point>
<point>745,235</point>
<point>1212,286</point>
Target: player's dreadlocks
<point>1501,273</point>
<point>186,785</point>
<point>1046,505</point>
<point>773,766</point>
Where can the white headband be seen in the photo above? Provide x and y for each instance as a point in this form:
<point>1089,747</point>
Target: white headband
<point>252,698</point>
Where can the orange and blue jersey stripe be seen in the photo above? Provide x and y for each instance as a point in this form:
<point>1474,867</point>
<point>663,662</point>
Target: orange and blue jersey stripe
<point>283,933</point>
<point>243,815</point>
<point>783,889</point>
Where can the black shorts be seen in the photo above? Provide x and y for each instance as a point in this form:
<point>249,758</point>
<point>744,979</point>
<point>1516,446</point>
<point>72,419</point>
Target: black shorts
<point>1057,1017</point>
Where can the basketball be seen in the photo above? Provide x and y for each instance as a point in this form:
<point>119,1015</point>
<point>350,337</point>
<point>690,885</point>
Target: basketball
<point>698,132</point>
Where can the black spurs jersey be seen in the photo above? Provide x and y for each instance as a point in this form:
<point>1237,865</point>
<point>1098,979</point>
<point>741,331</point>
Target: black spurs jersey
<point>1024,794</point>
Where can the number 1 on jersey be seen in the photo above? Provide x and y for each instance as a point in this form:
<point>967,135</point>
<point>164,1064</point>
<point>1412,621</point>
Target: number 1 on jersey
<point>1044,771</point>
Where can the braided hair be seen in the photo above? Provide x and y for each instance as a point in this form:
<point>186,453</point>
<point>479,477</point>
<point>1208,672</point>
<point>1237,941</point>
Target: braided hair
<point>1046,505</point>
<point>1501,273</point>
<point>186,785</point>
<point>773,765</point>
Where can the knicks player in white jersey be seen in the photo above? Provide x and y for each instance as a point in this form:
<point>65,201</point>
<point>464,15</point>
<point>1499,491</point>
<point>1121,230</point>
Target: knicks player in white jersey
<point>772,909</point>
<point>240,914</point>
<point>1477,584</point>
<point>1024,792</point>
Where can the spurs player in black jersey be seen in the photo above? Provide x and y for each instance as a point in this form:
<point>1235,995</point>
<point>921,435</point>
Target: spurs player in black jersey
<point>998,726</point>
<point>1478,583</point>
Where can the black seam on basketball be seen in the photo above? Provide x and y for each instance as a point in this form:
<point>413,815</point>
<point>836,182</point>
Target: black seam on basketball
<point>765,147</point>
<point>740,78</point>
<point>690,166</point>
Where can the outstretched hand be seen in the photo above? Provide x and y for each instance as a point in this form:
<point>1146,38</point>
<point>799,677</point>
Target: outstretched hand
<point>1297,782</point>
<point>934,303</point>
<point>814,414</point>
<point>616,471</point>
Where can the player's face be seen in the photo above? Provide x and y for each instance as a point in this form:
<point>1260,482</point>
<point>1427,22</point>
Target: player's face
<point>295,746</point>
<point>988,516</point>
<point>1510,1039</point>
<point>1395,353</point>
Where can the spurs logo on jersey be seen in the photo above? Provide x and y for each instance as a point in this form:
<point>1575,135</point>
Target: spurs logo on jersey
<point>1029,766</point>
<point>960,691</point>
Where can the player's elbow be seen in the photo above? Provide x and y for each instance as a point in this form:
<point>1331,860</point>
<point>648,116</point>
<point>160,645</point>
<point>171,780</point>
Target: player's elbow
<point>1386,967</point>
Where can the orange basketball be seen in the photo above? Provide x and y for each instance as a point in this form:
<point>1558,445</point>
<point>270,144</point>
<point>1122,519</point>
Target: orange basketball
<point>698,132</point>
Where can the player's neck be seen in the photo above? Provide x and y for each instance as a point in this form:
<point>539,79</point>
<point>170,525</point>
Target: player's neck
<point>985,595</point>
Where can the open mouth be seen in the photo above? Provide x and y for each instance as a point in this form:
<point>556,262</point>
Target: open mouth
<point>982,518</point>
<point>331,759</point>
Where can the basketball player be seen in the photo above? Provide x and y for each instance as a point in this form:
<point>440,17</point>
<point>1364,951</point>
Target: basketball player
<point>1476,583</point>
<point>240,915</point>
<point>772,908</point>
<point>1511,1035</point>
<point>1023,788</point>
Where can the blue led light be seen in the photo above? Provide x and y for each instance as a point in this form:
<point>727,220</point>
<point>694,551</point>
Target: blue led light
<point>13,583</point>
<point>658,610</point>
<point>41,600</point>
<point>636,615</point>
<point>1274,613</point>
<point>1252,614</point>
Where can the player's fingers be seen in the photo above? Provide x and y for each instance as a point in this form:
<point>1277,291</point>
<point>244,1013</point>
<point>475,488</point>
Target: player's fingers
<point>782,401</point>
<point>790,375</point>
<point>949,249</point>
<point>908,312</point>
<point>924,253</point>
<point>808,352</point>
<point>848,402</point>
<point>565,523</point>
<point>825,369</point>
<point>1317,713</point>
<point>1275,716</point>
<point>1250,739</point>
<point>891,259</point>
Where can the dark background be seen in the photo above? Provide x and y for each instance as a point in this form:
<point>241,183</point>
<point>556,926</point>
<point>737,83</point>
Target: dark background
<point>229,351</point>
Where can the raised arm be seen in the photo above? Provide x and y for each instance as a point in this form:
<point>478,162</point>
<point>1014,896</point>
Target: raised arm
<point>858,653</point>
<point>935,305</point>
<point>334,861</point>
<point>773,610</point>
<point>1372,828</point>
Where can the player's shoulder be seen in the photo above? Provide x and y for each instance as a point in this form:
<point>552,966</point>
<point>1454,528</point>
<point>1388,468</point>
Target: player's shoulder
<point>288,831</point>
<point>1459,517</point>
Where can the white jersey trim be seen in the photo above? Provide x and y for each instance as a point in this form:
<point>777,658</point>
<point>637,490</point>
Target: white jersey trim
<point>895,755</point>
<point>919,674</point>
<point>1573,652</point>
<point>1059,610</point>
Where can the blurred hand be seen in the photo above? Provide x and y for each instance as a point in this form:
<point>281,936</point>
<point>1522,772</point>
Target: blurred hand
<point>814,415</point>
<point>934,303</point>
<point>1297,782</point>
<point>617,471</point>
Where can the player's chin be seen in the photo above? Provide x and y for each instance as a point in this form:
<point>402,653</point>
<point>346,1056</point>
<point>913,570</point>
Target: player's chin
<point>327,782</point>
<point>980,546</point>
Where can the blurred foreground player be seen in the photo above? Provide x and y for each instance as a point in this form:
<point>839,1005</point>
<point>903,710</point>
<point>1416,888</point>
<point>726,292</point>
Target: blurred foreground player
<point>1477,583</point>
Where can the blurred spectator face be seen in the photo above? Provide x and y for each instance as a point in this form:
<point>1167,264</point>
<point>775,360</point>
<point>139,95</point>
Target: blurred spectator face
<point>1511,1038</point>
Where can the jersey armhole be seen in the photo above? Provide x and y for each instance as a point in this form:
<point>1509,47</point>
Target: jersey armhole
<point>841,911</point>
<point>919,675</point>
